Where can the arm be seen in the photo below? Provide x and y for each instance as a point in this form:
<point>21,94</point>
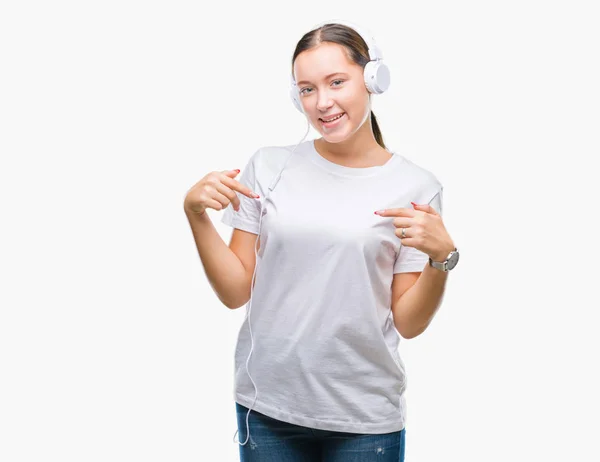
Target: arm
<point>418,288</point>
<point>415,308</point>
<point>224,270</point>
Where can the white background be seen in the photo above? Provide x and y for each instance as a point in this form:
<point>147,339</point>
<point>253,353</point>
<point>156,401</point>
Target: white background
<point>113,346</point>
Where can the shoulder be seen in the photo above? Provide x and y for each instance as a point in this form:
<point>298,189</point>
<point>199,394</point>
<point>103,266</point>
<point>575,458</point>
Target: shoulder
<point>269,160</point>
<point>420,173</point>
<point>421,179</point>
<point>277,155</point>
<point>265,158</point>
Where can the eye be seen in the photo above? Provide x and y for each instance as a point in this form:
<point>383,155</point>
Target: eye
<point>309,88</point>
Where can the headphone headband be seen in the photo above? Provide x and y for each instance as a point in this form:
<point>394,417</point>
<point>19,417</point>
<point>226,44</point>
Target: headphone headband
<point>374,50</point>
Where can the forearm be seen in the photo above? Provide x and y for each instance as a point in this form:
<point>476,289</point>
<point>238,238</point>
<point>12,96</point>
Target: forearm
<point>415,309</point>
<point>223,268</point>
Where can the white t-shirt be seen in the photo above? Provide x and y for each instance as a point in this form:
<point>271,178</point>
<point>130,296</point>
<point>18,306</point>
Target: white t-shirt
<point>325,345</point>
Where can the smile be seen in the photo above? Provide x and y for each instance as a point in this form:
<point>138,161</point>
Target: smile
<point>333,121</point>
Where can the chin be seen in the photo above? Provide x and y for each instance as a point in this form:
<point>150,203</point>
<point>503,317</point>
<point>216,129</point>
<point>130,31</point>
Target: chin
<point>336,137</point>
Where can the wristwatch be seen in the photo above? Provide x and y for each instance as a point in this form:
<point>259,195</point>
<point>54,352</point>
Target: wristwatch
<point>448,264</point>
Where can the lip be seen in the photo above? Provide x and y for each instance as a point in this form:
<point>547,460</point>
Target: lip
<point>330,126</point>
<point>331,116</point>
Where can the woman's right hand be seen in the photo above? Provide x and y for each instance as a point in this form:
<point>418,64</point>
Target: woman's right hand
<point>216,191</point>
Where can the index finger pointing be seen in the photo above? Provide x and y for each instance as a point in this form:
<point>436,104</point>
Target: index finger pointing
<point>396,212</point>
<point>237,186</point>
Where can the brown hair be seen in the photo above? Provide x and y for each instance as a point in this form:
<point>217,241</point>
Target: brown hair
<point>357,51</point>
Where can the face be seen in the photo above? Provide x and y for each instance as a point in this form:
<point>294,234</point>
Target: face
<point>324,95</point>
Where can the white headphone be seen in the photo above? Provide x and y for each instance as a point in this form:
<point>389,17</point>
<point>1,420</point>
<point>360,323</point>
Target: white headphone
<point>376,74</point>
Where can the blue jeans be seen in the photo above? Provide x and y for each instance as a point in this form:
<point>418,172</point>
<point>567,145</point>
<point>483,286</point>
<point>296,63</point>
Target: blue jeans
<point>272,440</point>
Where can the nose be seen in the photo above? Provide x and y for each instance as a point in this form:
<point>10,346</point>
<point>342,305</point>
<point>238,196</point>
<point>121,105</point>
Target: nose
<point>324,101</point>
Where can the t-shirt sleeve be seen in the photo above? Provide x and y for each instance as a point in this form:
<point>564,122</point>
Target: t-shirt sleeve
<point>410,259</point>
<point>247,218</point>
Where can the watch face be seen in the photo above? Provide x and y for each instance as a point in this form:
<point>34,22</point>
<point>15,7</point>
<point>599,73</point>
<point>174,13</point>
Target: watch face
<point>453,260</point>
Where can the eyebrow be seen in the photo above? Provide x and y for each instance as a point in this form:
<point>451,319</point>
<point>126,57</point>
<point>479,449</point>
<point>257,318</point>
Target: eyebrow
<point>326,77</point>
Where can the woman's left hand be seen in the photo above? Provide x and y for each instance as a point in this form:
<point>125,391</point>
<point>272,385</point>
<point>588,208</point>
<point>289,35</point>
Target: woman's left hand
<point>423,229</point>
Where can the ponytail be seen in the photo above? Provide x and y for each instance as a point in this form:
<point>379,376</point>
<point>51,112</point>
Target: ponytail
<point>377,131</point>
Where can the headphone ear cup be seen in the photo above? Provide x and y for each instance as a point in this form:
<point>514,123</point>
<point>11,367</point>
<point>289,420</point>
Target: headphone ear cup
<point>296,98</point>
<point>377,77</point>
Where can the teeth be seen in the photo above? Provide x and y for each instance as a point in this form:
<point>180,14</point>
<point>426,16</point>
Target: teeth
<point>335,118</point>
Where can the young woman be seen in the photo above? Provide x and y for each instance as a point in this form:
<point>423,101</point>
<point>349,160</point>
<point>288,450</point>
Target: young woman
<point>340,247</point>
